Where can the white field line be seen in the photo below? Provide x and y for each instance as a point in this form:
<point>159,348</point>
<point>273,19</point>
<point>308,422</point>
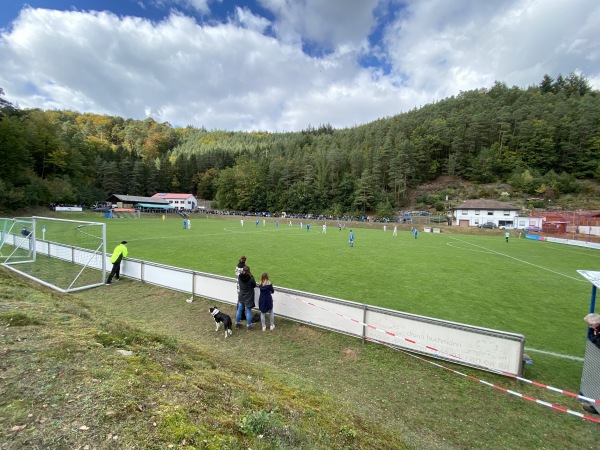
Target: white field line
<point>557,246</point>
<point>522,261</point>
<point>556,355</point>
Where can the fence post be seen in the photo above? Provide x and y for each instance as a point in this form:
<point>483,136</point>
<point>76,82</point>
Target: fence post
<point>193,285</point>
<point>364,321</point>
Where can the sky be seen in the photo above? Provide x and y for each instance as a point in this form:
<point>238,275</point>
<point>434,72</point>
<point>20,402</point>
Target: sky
<point>283,65</point>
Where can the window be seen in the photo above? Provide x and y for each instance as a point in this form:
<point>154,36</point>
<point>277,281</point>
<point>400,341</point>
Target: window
<point>507,213</point>
<point>476,212</point>
<point>490,213</point>
<point>464,212</point>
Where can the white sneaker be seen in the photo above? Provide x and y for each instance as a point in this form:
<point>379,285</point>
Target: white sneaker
<point>272,327</point>
<point>264,328</point>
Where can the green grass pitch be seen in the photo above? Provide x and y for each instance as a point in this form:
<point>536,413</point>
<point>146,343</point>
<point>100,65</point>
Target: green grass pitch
<point>522,286</point>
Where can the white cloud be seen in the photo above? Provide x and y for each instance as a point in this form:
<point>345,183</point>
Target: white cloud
<point>329,24</point>
<point>219,76</point>
<point>245,18</point>
<point>234,76</point>
<point>444,47</point>
<point>201,6</point>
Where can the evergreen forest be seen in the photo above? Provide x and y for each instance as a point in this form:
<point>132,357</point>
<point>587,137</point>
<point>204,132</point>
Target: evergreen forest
<point>542,141</point>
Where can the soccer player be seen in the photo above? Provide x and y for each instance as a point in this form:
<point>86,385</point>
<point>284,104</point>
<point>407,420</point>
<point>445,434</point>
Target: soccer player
<point>351,240</point>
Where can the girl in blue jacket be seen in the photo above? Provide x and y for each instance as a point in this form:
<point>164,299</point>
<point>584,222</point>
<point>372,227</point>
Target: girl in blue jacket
<point>265,301</point>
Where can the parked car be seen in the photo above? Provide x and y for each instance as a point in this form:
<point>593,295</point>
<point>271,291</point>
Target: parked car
<point>506,227</point>
<point>533,229</point>
<point>490,225</point>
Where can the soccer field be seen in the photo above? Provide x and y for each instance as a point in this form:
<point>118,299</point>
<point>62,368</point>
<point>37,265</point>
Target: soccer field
<point>523,286</point>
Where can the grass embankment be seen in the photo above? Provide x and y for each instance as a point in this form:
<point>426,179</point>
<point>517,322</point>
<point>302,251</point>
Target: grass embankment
<point>65,385</point>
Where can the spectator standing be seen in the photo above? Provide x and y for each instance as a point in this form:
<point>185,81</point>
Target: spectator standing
<point>265,301</point>
<point>245,298</point>
<point>118,254</point>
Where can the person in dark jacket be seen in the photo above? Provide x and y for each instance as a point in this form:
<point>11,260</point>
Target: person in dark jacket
<point>245,297</point>
<point>265,301</point>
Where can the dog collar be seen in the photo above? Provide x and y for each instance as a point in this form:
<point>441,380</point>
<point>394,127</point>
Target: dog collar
<point>215,312</point>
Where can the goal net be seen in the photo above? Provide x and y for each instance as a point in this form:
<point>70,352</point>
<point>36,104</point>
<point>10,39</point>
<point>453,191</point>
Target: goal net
<point>66,255</point>
<point>16,240</point>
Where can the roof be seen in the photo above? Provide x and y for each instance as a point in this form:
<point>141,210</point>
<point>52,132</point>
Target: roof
<point>173,196</point>
<point>154,205</point>
<point>483,203</point>
<point>137,199</point>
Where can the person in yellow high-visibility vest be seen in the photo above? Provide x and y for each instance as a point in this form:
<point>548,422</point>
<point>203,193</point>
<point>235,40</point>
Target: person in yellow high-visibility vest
<point>119,253</point>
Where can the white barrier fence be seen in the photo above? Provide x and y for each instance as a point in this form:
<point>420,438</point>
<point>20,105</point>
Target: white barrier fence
<point>462,344</point>
<point>483,348</point>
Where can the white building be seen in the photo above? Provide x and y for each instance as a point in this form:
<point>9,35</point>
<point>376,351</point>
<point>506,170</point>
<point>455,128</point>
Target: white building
<point>179,201</point>
<point>474,212</point>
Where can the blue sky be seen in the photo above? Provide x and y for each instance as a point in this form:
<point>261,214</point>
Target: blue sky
<point>282,65</point>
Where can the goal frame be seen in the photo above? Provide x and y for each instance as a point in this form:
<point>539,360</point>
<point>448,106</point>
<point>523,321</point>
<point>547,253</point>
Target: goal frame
<point>46,247</point>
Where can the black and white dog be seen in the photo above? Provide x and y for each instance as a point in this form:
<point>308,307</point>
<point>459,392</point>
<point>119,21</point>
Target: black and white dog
<point>221,317</point>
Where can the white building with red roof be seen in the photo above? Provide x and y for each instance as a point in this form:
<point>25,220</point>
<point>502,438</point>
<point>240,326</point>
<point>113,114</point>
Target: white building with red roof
<point>179,201</point>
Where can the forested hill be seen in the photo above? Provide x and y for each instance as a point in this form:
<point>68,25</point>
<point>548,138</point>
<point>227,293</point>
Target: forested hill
<point>543,141</point>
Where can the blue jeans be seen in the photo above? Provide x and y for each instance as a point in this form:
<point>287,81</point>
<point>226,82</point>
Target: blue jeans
<point>238,314</point>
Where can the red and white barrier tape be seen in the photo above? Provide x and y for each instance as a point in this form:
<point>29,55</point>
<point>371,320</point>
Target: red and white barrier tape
<point>526,397</point>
